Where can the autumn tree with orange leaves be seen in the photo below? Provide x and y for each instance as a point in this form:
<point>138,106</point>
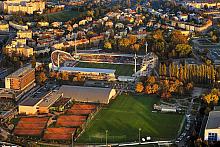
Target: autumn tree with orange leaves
<point>139,87</point>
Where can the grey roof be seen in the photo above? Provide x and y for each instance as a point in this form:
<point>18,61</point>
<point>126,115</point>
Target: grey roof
<point>213,121</point>
<point>49,99</point>
<point>89,70</point>
<point>86,94</point>
<point>30,102</point>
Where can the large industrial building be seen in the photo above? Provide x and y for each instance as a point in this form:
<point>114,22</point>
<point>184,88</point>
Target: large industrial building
<point>88,94</point>
<point>20,79</point>
<point>212,130</point>
<point>42,101</point>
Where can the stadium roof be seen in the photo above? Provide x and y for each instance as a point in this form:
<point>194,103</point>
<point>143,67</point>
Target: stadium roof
<point>87,70</point>
<point>87,94</point>
<point>213,121</point>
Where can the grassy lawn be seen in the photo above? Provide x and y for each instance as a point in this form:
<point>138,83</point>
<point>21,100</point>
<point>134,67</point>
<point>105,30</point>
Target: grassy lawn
<point>62,15</point>
<point>121,70</point>
<point>125,115</point>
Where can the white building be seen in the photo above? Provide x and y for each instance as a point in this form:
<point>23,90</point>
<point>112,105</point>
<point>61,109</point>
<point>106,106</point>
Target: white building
<point>212,129</point>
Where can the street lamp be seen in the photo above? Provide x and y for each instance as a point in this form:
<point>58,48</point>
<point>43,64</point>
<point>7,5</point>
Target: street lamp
<point>146,44</point>
<point>139,135</point>
<point>106,137</point>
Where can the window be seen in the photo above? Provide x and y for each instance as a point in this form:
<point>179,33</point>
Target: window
<point>212,136</point>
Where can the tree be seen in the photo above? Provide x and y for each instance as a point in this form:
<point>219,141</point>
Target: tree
<point>214,38</point>
<point>158,35</point>
<point>136,47</point>
<point>159,46</point>
<point>207,98</point>
<point>124,43</point>
<point>151,80</point>
<point>177,37</point>
<point>132,39</point>
<point>183,49</point>
<point>33,62</point>
<point>107,45</point>
<point>215,99</point>
<point>165,95</point>
<point>90,13</point>
<point>139,87</point>
<point>189,86</point>
<point>155,88</point>
<point>65,76</point>
<point>52,74</point>
<point>42,77</point>
<point>148,89</point>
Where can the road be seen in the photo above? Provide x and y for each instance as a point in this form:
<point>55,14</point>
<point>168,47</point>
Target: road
<point>8,144</point>
<point>189,125</point>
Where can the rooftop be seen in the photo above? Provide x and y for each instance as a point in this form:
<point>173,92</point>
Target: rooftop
<point>89,70</point>
<point>50,99</point>
<point>86,94</point>
<point>31,102</point>
<point>20,72</point>
<point>213,120</point>
<point>36,97</point>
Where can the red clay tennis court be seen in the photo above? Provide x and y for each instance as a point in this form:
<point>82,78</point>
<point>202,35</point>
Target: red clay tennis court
<point>69,123</point>
<point>71,120</point>
<point>59,133</point>
<point>79,111</point>
<point>31,126</point>
<point>84,106</point>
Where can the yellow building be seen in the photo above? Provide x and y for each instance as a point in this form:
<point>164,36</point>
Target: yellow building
<point>25,34</point>
<point>21,50</point>
<point>20,79</point>
<point>23,6</point>
<point>43,24</point>
<point>4,26</point>
<point>38,104</point>
<point>18,46</point>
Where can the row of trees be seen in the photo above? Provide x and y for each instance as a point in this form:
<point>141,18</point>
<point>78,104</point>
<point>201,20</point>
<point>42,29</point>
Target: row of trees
<point>199,74</point>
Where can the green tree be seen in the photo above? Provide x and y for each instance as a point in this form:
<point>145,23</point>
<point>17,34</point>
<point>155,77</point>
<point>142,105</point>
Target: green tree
<point>183,49</point>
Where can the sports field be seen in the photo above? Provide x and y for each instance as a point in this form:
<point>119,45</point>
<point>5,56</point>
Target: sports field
<point>121,70</point>
<point>62,15</point>
<point>125,115</point>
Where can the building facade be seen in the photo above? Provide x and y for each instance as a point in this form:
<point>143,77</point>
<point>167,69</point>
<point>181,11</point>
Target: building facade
<point>20,79</point>
<point>25,34</point>
<point>23,6</point>
<point>212,130</point>
<point>4,26</point>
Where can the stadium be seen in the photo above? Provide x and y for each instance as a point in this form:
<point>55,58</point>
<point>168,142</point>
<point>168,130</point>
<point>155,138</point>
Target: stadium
<point>103,66</point>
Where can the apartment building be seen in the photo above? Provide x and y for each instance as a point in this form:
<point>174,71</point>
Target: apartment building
<point>20,79</point>
<point>23,6</point>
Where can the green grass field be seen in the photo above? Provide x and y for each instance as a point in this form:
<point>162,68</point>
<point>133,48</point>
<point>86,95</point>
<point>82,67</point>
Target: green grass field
<point>62,15</point>
<point>121,70</point>
<point>125,115</point>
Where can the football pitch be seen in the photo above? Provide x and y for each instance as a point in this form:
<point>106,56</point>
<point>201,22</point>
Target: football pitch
<point>125,115</point>
<point>62,16</point>
<point>121,69</point>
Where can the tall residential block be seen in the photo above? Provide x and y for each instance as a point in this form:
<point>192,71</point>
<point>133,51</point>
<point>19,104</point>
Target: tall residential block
<point>20,79</point>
